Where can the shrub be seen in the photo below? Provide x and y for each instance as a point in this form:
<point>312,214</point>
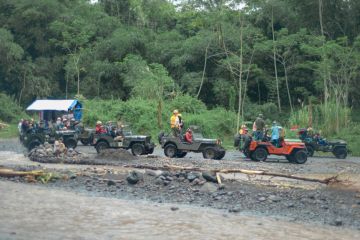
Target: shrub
<point>10,112</point>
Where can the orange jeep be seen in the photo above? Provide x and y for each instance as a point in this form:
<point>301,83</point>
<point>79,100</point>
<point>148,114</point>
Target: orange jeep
<point>293,151</point>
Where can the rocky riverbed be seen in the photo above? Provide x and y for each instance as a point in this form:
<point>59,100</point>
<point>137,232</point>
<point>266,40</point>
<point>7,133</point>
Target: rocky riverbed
<point>191,181</point>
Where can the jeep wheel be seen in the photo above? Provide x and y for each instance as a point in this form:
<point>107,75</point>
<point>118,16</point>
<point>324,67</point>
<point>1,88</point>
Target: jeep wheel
<point>33,144</point>
<point>137,149</point>
<point>340,152</point>
<point>170,150</point>
<point>220,155</point>
<point>101,146</point>
<point>85,142</point>
<point>150,151</point>
<point>300,156</point>
<point>260,154</point>
<point>209,153</point>
<point>180,154</point>
<point>310,150</point>
<point>70,143</point>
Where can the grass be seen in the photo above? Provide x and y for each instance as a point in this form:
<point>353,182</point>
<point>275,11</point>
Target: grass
<point>9,132</point>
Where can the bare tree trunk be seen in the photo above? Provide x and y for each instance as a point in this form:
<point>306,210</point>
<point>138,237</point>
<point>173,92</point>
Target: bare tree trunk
<point>23,88</point>
<point>240,74</point>
<point>287,87</point>
<point>66,85</point>
<point>203,74</point>
<point>274,52</point>
<point>325,81</point>
<point>246,83</point>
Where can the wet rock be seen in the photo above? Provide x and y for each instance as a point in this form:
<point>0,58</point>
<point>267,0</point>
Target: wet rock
<point>168,178</point>
<point>290,205</point>
<point>134,177</point>
<point>162,177</point>
<point>191,177</point>
<point>158,181</point>
<point>174,208</point>
<point>275,198</point>
<point>209,177</point>
<point>111,183</point>
<point>235,209</point>
<point>208,187</point>
<point>338,222</point>
<point>262,199</point>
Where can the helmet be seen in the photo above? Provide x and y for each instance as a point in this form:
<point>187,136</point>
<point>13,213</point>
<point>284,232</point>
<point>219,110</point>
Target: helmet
<point>98,122</point>
<point>175,111</point>
<point>189,130</point>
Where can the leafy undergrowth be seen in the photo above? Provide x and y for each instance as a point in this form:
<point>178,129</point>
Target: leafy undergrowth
<point>9,132</point>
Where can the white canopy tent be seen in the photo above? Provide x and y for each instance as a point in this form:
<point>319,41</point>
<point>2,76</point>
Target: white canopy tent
<point>55,105</point>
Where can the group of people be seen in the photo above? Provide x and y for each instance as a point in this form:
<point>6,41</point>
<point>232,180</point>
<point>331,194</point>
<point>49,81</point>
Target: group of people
<point>61,123</point>
<point>114,130</point>
<point>260,131</point>
<point>177,126</point>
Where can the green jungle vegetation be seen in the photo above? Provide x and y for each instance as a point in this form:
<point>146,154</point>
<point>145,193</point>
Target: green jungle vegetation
<point>220,62</point>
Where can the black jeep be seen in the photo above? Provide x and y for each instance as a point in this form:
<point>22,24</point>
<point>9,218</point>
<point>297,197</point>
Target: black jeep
<point>316,143</point>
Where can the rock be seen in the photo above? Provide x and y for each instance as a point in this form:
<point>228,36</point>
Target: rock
<point>338,222</point>
<point>208,187</point>
<point>217,198</point>
<point>153,173</point>
<point>111,183</point>
<point>158,181</point>
<point>229,193</point>
<point>261,199</point>
<point>275,198</point>
<point>209,177</point>
<point>134,177</point>
<point>235,210</point>
<point>291,205</point>
<point>196,181</point>
<point>221,187</point>
<point>162,177</point>
<point>168,178</point>
<point>191,177</point>
<point>174,208</point>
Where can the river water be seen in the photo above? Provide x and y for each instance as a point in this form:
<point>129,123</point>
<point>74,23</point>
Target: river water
<point>34,212</point>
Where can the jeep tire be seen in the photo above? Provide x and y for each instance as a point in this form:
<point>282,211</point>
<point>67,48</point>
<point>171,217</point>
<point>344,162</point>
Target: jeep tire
<point>340,152</point>
<point>170,150</point>
<point>137,149</point>
<point>209,153</point>
<point>100,146</point>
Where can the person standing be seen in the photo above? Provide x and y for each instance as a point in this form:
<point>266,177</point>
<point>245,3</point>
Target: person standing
<point>275,134</point>
<point>260,125</point>
<point>174,123</point>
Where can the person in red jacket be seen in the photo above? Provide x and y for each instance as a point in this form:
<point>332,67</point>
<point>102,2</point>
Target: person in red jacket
<point>188,136</point>
<point>99,128</point>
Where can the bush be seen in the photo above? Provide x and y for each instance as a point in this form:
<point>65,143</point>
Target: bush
<point>10,112</point>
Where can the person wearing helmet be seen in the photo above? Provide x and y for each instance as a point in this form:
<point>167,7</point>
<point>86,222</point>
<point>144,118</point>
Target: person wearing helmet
<point>174,123</point>
<point>188,136</point>
<point>99,128</point>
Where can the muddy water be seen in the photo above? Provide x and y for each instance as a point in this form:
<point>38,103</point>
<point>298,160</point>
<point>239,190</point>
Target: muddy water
<point>34,212</point>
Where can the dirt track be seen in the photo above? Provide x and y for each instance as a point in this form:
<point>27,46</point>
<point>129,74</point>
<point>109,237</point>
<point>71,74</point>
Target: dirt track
<point>293,201</point>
